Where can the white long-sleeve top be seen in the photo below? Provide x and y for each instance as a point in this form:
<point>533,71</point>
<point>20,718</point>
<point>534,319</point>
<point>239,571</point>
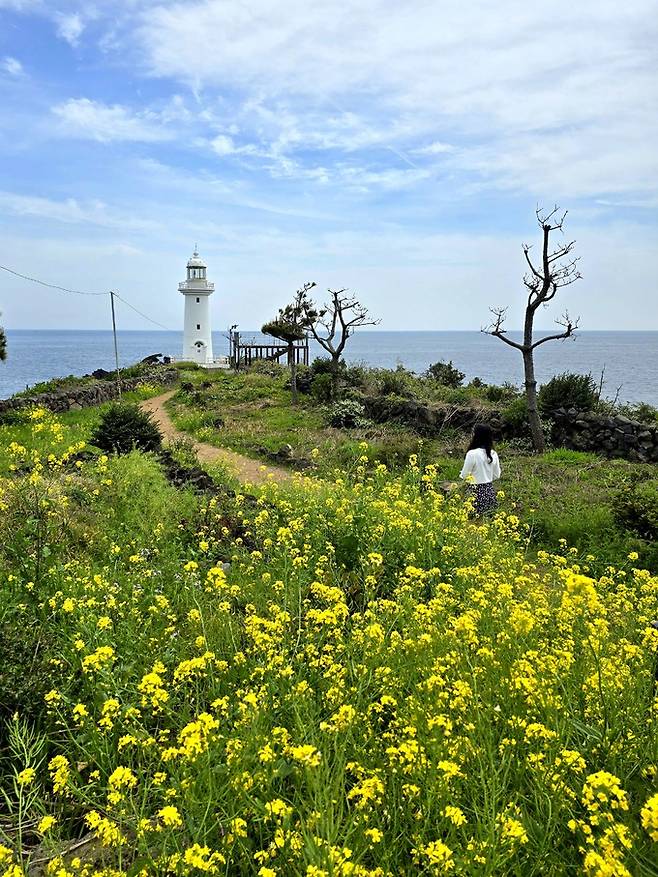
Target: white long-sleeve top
<point>477,467</point>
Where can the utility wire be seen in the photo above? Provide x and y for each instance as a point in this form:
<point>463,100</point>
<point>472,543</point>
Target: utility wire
<point>80,292</point>
<point>51,285</point>
<point>155,322</point>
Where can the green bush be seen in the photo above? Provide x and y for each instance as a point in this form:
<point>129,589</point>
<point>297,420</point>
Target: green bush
<point>304,379</point>
<point>321,365</point>
<point>641,411</point>
<point>321,387</point>
<point>568,390</point>
<point>515,416</point>
<point>394,383</point>
<point>267,367</point>
<point>446,373</point>
<point>356,376</point>
<point>501,393</point>
<point>124,427</point>
<point>636,508</point>
<point>347,414</point>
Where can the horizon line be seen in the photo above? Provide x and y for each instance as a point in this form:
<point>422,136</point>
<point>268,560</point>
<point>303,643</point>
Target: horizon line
<point>363,330</point>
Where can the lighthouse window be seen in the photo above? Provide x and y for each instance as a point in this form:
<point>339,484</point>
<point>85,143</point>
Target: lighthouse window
<point>198,299</point>
<point>198,325</point>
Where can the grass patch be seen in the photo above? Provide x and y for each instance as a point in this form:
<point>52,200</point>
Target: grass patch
<point>562,494</point>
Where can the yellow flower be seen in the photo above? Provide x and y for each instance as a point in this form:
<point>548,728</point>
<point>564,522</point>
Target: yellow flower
<point>307,755</point>
<point>122,778</point>
<point>105,830</point>
<point>436,854</point>
<point>26,776</point>
<point>649,816</point>
<point>170,816</point>
<point>203,859</point>
<point>5,855</point>
<point>46,823</point>
<point>455,815</point>
<point>59,772</point>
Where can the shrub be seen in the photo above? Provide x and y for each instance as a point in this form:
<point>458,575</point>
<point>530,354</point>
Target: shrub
<point>515,416</point>
<point>496,393</point>
<point>568,390</point>
<point>445,373</point>
<point>347,414</point>
<point>304,379</point>
<point>321,387</point>
<point>321,365</point>
<point>267,367</point>
<point>356,376</point>
<point>123,427</point>
<point>394,382</point>
<point>641,411</point>
<point>636,508</point>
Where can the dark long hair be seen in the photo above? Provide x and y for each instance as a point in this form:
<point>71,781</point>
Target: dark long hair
<point>482,438</point>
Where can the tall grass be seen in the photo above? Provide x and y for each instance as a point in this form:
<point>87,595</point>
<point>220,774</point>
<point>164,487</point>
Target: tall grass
<point>377,685</point>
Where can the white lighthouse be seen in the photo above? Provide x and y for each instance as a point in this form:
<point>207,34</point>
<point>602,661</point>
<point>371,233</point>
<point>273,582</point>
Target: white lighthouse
<point>197,336</point>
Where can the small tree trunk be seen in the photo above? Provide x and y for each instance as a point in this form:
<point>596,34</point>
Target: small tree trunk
<point>335,367</point>
<point>292,360</point>
<point>531,399</point>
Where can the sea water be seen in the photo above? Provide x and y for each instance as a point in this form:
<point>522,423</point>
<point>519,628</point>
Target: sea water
<point>628,360</point>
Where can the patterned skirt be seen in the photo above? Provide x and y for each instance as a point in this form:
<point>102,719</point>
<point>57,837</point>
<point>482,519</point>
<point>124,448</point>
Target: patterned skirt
<point>484,498</point>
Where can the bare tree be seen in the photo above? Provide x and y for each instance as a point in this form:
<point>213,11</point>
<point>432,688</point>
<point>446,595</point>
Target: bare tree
<point>333,324</point>
<point>557,269</point>
<point>290,325</point>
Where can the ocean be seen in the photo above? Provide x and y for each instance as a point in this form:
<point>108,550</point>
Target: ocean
<point>629,360</point>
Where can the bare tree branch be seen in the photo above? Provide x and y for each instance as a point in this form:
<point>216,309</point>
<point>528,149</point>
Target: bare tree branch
<point>496,328</point>
<point>570,327</point>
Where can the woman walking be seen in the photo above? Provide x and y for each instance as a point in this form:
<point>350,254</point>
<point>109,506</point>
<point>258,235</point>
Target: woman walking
<point>481,468</point>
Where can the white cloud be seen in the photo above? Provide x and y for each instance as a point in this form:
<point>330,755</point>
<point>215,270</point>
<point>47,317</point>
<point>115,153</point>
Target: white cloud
<point>435,148</point>
<point>21,5</point>
<point>12,66</point>
<point>71,211</point>
<point>567,85</point>
<point>93,120</point>
<point>223,145</point>
<point>70,27</point>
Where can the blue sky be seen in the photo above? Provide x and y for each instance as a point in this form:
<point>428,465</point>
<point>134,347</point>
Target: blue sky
<point>396,149</point>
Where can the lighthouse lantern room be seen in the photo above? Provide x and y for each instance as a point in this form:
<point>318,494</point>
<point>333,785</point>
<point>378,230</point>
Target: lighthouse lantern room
<point>197,334</point>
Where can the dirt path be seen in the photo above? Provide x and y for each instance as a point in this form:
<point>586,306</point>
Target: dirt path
<point>244,468</point>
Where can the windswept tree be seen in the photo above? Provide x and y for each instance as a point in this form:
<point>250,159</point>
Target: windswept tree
<point>290,325</point>
<point>556,269</point>
<point>333,324</point>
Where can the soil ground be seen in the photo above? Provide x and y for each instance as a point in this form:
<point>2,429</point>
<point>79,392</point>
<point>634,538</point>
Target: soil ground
<point>245,469</point>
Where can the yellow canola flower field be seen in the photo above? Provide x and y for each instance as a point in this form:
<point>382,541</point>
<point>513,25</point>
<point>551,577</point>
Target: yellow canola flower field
<point>378,685</point>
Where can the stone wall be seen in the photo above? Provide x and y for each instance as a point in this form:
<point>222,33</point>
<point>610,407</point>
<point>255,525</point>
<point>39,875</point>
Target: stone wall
<point>88,394</point>
<point>610,436</point>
